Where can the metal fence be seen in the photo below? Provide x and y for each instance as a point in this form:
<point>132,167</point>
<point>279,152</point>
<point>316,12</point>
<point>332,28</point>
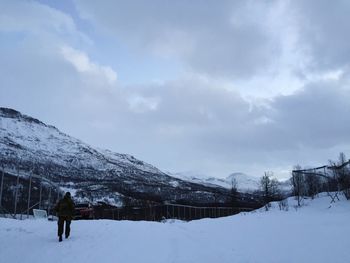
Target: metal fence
<point>21,192</point>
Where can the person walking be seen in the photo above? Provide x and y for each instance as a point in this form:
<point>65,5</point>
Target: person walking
<point>65,212</point>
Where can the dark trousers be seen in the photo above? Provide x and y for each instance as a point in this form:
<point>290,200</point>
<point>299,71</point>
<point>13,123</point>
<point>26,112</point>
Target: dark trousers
<point>61,220</point>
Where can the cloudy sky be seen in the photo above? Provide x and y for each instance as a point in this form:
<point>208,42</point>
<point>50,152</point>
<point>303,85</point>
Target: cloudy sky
<point>212,87</point>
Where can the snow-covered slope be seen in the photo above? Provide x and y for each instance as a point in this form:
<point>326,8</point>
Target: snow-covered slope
<point>244,183</point>
<point>315,233</point>
<point>92,174</point>
<point>34,139</point>
<point>195,177</point>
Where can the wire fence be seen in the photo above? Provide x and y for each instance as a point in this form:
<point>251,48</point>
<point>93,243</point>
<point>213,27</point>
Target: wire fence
<point>21,192</point>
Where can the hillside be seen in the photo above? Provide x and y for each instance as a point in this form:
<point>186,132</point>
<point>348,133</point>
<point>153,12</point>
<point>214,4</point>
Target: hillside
<point>314,233</point>
<point>90,174</point>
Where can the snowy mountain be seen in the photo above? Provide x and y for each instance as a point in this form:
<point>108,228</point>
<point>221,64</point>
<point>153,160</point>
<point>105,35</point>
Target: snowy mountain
<point>198,178</point>
<point>314,233</point>
<point>244,183</point>
<point>91,174</point>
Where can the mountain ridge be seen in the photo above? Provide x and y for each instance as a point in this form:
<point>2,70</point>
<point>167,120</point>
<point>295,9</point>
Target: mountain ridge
<point>243,182</point>
<point>93,174</point>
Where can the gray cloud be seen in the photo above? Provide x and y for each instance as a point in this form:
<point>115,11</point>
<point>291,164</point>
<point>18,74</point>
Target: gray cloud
<point>184,124</point>
<point>230,39</point>
<point>324,32</point>
<point>198,125</point>
<point>233,39</point>
<point>315,117</point>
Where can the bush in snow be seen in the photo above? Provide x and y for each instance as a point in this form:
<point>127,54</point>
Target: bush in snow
<point>283,205</point>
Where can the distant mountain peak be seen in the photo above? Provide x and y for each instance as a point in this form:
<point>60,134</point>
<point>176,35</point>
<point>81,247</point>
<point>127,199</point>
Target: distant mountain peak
<point>245,183</point>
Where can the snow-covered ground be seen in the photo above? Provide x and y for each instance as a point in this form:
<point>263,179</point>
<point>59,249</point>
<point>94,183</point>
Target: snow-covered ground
<point>317,232</point>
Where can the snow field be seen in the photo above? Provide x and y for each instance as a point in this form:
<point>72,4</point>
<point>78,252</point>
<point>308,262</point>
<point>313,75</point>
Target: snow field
<point>317,232</point>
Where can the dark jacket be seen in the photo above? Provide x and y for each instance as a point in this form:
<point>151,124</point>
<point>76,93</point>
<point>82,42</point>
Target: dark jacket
<point>65,207</point>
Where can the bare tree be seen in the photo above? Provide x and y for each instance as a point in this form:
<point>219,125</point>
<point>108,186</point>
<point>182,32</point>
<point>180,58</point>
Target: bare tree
<point>269,188</point>
<point>234,192</point>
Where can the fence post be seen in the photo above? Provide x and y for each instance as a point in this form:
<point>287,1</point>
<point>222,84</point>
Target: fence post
<point>29,192</point>
<point>2,182</point>
<point>41,190</point>
<point>49,201</point>
<point>16,192</point>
